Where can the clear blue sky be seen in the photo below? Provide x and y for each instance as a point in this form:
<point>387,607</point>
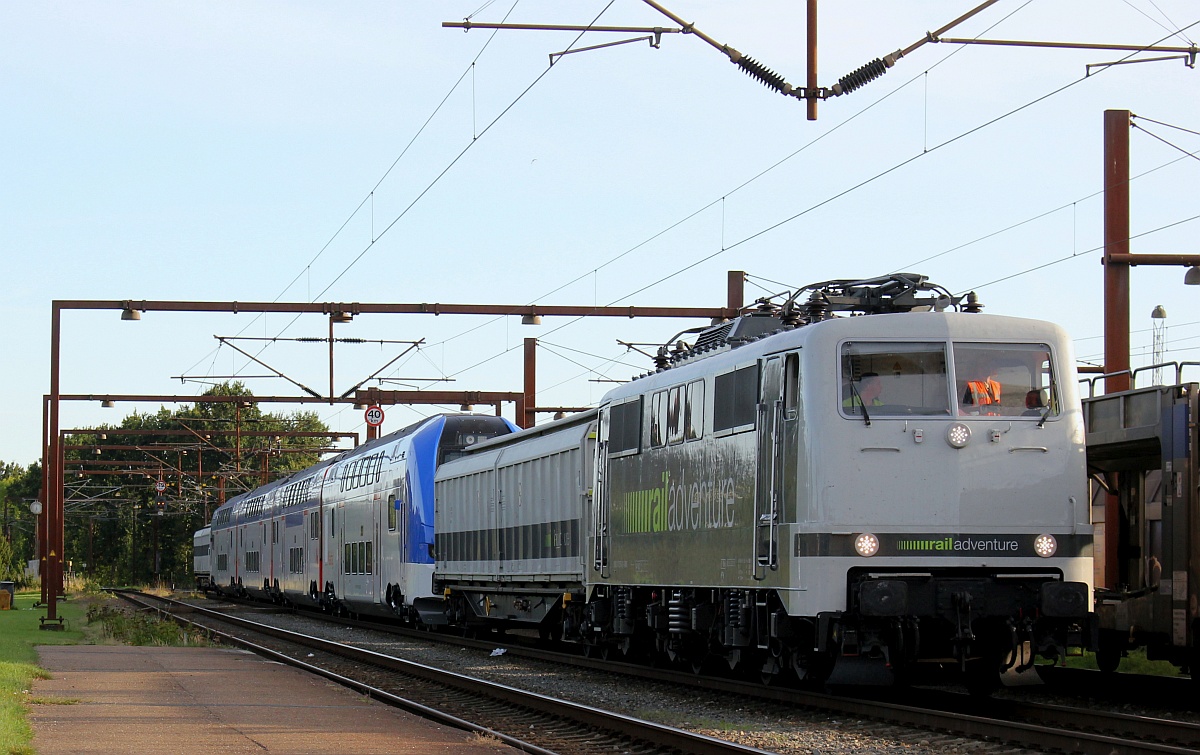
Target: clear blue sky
<point>331,152</point>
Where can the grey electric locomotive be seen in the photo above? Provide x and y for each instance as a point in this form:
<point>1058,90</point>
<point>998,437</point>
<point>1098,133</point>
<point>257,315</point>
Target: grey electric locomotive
<point>800,492</point>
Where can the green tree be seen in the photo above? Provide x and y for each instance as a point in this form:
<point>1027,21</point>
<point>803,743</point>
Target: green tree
<point>18,487</point>
<point>127,531</point>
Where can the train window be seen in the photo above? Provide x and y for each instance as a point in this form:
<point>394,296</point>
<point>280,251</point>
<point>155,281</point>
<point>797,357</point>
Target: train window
<point>735,395</point>
<point>694,411</point>
<point>658,419</point>
<point>391,506</point>
<point>347,563</point>
<point>1005,380</point>
<point>314,526</point>
<point>675,415</point>
<point>370,560</point>
<point>791,385</point>
<point>625,428</point>
<point>894,379</point>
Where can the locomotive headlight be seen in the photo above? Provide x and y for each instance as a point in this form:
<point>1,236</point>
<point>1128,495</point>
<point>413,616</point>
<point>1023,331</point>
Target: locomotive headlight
<point>1045,546</point>
<point>958,435</point>
<point>866,545</point>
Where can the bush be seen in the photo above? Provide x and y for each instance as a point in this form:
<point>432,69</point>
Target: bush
<point>141,628</point>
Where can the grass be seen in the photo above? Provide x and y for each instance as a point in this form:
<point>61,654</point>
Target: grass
<point>19,633</point>
<point>1133,662</point>
<point>93,619</point>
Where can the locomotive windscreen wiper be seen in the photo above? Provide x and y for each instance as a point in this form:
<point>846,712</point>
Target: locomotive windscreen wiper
<point>1049,403</point>
<point>862,404</point>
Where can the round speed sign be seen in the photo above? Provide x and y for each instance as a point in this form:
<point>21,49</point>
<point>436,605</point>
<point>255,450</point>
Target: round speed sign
<point>374,416</point>
<point>160,486</point>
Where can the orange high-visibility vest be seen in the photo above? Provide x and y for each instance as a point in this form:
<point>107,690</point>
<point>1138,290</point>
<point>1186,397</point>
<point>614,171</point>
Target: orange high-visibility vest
<point>980,392</point>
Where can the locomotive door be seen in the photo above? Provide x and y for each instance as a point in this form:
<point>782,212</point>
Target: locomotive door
<point>601,502</point>
<point>769,468</point>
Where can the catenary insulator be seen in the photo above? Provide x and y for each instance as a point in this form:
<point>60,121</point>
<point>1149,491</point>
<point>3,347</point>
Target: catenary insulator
<point>758,71</point>
<point>973,304</point>
<point>861,76</point>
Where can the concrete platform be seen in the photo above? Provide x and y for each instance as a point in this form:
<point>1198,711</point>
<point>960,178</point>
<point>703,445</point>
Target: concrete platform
<point>208,700</point>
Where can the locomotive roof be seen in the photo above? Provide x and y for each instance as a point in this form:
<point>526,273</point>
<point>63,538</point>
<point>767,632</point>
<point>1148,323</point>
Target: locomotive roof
<point>692,362</point>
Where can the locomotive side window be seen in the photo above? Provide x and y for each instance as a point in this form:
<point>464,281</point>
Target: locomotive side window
<point>735,395</point>
<point>658,419</point>
<point>791,385</point>
<point>1005,380</point>
<point>694,411</point>
<point>894,379</point>
<point>675,415</point>
<point>625,428</point>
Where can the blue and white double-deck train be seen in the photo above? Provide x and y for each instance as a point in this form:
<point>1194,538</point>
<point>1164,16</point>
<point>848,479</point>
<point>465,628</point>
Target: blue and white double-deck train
<point>353,533</point>
<point>799,492</point>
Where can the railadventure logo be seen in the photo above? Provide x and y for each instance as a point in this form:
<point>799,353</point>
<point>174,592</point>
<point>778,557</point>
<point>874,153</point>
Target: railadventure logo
<point>959,544</point>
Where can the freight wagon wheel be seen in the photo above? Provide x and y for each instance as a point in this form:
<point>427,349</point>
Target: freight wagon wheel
<point>982,676</point>
<point>1108,654</point>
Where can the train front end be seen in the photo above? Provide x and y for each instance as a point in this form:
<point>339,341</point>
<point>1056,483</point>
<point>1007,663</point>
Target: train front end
<point>944,518</point>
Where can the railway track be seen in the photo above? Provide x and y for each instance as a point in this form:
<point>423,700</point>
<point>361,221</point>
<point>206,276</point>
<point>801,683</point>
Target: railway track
<point>527,721</point>
<point>1110,729</point>
<point>1030,725</point>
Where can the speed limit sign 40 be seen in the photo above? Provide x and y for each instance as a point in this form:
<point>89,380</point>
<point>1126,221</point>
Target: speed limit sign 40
<point>374,416</point>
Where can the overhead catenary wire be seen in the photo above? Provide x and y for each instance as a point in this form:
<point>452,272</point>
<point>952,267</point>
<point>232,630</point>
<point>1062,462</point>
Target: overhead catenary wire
<point>877,176</point>
<point>786,220</point>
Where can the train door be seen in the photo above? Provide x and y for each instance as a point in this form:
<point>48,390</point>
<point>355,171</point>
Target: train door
<point>506,492</point>
<point>601,502</point>
<point>374,551</point>
<point>237,556</point>
<point>769,468</point>
<point>263,549</point>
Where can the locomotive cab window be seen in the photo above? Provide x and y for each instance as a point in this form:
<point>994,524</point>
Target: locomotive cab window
<point>1005,380</point>
<point>885,379</point>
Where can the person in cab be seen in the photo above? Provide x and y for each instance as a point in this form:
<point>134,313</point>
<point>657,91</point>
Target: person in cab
<point>866,390</point>
<point>982,395</point>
